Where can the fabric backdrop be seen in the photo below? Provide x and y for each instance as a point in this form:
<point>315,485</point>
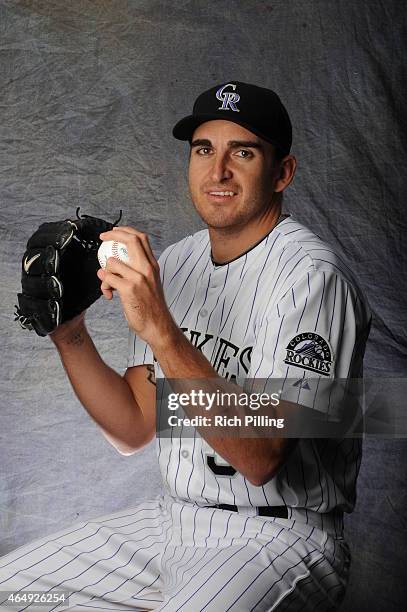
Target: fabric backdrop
<point>90,90</point>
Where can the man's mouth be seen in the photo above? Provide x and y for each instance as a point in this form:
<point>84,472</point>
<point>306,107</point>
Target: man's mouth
<point>222,194</point>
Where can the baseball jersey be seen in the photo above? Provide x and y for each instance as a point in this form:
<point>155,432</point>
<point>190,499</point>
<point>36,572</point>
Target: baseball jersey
<point>288,308</point>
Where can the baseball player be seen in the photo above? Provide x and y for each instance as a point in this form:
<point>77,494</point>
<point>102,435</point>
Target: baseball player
<point>244,524</point>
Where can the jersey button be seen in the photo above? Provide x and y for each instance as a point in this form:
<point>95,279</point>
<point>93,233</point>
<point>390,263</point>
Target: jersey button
<point>203,312</point>
<point>185,453</point>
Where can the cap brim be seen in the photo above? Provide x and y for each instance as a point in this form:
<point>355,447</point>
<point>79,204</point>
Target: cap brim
<point>185,128</point>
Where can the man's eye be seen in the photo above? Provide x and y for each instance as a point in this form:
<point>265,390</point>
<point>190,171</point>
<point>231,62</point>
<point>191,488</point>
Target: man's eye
<point>203,151</point>
<point>244,153</point>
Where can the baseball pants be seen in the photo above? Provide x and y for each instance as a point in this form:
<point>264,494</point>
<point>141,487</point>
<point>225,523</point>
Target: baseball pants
<point>173,556</point>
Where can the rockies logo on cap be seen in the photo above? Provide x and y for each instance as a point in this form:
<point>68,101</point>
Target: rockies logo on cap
<point>229,99</point>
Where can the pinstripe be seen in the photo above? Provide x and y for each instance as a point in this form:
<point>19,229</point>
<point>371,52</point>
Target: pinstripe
<point>275,347</point>
<point>193,463</point>
<point>292,232</point>
<point>243,530</point>
<point>320,304</point>
<point>163,260</point>
<point>248,493</point>
<point>169,456</point>
<point>202,305</point>
<point>197,285</point>
<point>210,527</point>
<point>333,470</point>
<point>178,270</point>
<point>147,586</point>
<point>244,265</point>
<point>218,298</point>
<point>203,473</point>
<point>267,503</point>
<point>175,300</point>
<point>303,477</point>
<point>299,390</point>
<point>179,458</point>
<point>262,348</point>
<point>233,493</point>
<point>222,327</point>
<point>317,461</point>
<point>194,528</point>
<point>159,417</point>
<point>226,529</point>
<point>333,309</point>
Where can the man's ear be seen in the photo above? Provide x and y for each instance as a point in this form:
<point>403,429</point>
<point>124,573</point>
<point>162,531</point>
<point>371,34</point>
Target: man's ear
<point>287,168</point>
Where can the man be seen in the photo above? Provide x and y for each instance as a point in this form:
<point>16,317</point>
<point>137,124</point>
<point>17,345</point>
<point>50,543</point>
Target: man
<point>245,523</point>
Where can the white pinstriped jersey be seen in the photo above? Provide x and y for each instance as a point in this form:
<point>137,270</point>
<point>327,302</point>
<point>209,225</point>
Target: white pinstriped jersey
<point>289,290</point>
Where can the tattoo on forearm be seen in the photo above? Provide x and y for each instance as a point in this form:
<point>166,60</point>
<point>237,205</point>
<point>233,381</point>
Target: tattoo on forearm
<point>76,339</point>
<point>151,374</point>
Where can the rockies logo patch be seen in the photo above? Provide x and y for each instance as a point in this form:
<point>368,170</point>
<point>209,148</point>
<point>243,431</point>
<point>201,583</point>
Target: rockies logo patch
<point>310,351</point>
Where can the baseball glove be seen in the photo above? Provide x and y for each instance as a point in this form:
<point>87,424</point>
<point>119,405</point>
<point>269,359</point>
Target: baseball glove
<point>59,268</point>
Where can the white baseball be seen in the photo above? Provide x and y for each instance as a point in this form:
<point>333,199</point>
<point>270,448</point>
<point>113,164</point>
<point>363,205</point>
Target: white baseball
<point>112,248</point>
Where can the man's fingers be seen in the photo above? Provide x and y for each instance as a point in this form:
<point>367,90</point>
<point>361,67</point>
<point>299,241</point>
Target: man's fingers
<point>134,241</point>
<point>117,276</point>
<point>144,239</point>
<point>108,293</point>
<point>105,288</point>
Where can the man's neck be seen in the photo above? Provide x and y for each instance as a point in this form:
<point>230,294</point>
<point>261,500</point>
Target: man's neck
<point>228,243</point>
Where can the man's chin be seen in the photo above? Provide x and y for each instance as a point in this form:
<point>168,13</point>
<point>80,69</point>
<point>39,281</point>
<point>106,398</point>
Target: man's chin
<point>217,222</point>
<point>220,218</point>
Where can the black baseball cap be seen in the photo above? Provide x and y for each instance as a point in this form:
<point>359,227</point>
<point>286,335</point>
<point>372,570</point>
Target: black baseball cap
<point>258,109</point>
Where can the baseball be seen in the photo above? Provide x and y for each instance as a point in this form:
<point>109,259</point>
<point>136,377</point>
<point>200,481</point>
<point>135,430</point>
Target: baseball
<point>112,248</point>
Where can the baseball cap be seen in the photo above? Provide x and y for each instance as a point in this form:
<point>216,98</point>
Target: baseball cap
<point>258,109</point>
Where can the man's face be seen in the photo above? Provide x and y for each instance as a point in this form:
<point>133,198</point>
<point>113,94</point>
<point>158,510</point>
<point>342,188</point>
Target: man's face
<point>231,175</point>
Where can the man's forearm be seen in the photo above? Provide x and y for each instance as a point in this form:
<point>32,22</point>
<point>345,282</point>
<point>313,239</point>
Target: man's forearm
<point>256,458</point>
<point>105,394</point>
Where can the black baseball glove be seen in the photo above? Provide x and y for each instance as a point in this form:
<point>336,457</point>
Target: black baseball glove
<point>59,268</point>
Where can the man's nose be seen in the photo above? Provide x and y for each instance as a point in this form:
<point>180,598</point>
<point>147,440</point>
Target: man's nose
<point>221,170</point>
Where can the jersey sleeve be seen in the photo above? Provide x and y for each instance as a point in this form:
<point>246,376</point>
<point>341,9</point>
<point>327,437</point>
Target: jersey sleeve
<point>311,340</point>
<point>139,352</point>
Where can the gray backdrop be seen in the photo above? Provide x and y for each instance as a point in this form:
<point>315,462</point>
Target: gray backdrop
<point>90,90</point>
